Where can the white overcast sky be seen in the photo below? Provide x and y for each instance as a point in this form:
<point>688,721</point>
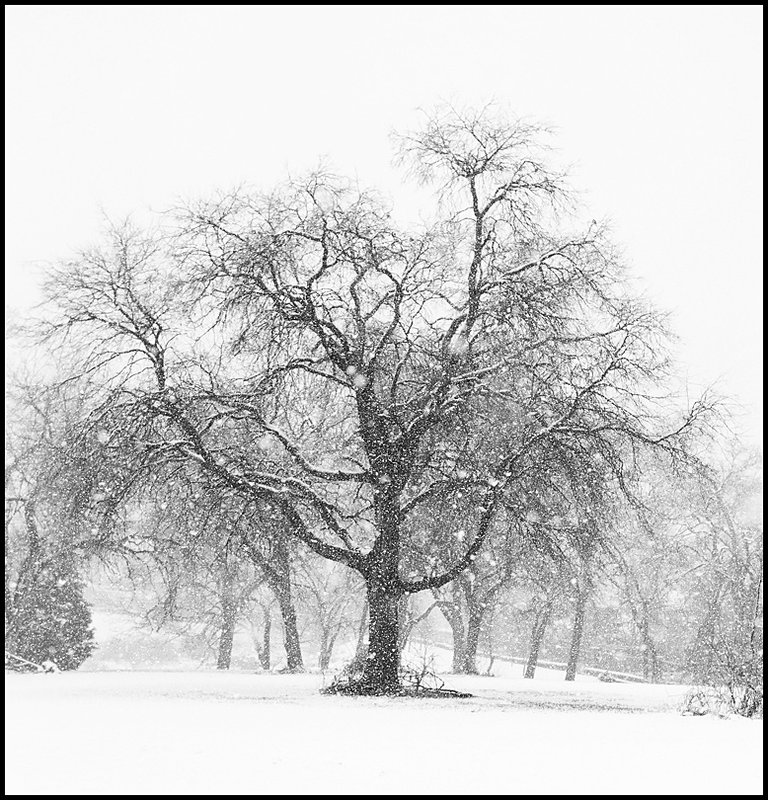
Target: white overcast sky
<point>121,109</point>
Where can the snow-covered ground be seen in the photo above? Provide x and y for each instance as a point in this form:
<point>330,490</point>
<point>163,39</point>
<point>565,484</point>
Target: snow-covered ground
<point>243,733</point>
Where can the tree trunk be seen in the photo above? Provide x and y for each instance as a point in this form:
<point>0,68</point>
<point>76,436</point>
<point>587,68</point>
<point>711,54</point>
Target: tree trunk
<point>451,610</point>
<point>491,655</point>
<point>264,652</point>
<point>324,658</point>
<point>228,611</point>
<point>227,635</point>
<point>474,623</point>
<point>537,636</point>
<point>361,651</point>
<point>650,656</point>
<point>459,649</point>
<point>281,585</point>
<point>405,619</point>
<point>291,640</point>
<point>578,630</point>
<point>326,648</point>
<point>381,674</point>
<point>382,668</point>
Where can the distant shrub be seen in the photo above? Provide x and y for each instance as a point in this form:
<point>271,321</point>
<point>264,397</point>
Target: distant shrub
<point>729,661</point>
<point>722,701</point>
<point>702,700</point>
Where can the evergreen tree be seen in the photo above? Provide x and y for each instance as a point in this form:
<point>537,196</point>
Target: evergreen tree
<point>52,621</point>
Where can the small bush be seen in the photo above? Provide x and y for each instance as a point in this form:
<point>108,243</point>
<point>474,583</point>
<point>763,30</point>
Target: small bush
<point>722,701</point>
<point>702,700</point>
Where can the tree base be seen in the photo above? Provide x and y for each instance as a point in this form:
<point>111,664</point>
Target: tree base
<point>291,671</point>
<point>358,688</point>
<point>413,683</point>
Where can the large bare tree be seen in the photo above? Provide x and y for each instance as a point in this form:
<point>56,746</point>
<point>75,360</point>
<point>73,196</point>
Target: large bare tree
<point>344,375</point>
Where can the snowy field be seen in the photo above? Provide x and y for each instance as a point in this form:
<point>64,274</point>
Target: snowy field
<point>203,733</point>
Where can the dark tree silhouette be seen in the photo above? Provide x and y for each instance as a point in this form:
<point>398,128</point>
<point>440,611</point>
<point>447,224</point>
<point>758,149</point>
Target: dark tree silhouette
<point>347,373</point>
